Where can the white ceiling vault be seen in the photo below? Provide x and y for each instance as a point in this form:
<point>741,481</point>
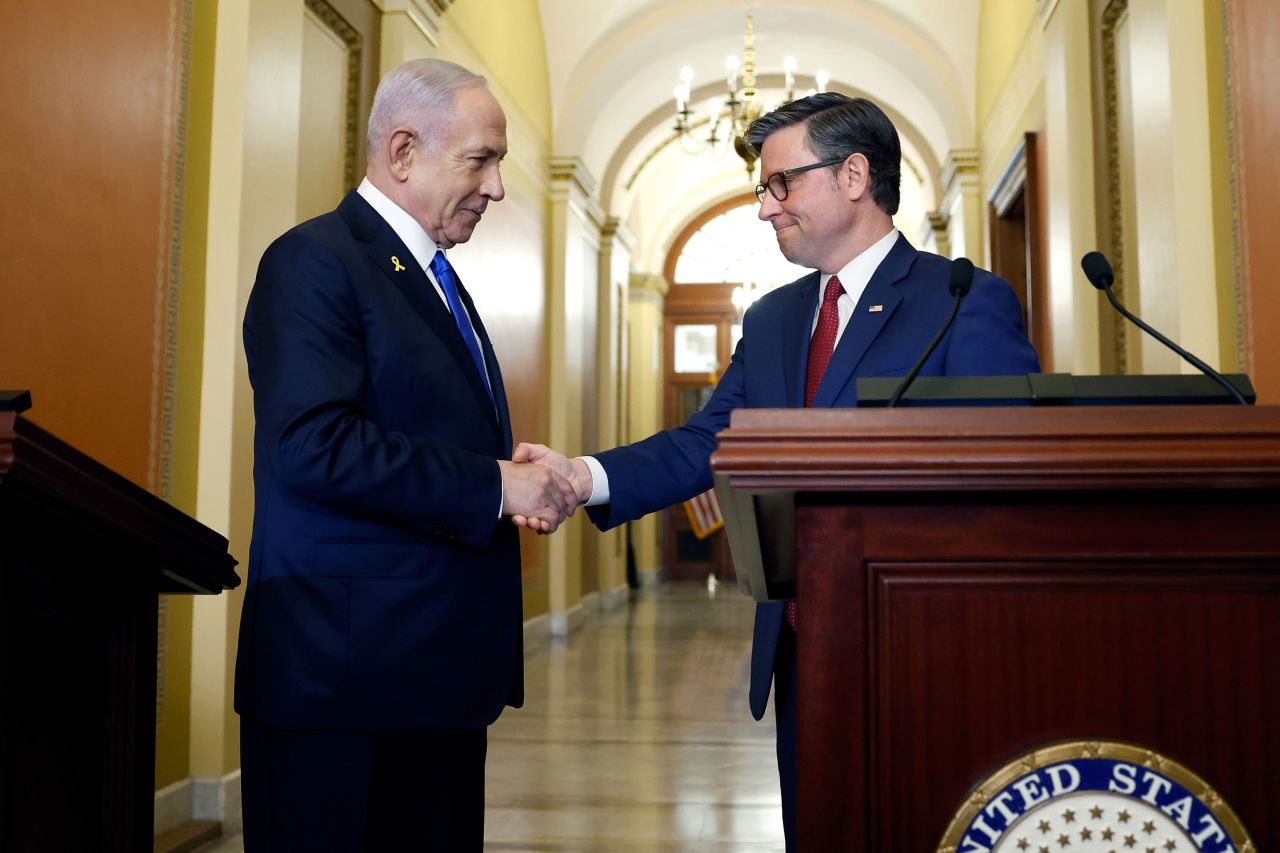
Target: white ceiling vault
<point>613,63</point>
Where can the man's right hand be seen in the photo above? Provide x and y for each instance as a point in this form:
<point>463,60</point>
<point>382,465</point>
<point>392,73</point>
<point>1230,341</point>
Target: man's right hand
<point>574,470</point>
<point>536,495</point>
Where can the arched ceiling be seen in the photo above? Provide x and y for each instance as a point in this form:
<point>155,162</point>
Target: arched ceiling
<point>612,65</point>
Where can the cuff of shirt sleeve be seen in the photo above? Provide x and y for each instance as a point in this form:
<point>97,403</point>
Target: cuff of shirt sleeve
<point>599,482</point>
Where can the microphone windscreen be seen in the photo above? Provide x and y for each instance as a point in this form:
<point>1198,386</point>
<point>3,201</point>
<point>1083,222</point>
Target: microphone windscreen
<point>961,277</point>
<point>1097,270</point>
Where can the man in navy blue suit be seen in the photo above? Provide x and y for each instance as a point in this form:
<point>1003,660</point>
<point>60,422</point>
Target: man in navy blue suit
<point>382,622</point>
<point>831,167</point>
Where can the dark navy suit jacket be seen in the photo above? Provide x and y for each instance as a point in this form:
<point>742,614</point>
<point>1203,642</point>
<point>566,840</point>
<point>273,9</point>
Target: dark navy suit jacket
<point>768,371</point>
<point>384,591</point>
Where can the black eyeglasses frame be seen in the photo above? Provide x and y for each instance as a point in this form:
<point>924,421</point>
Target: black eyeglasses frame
<point>767,183</point>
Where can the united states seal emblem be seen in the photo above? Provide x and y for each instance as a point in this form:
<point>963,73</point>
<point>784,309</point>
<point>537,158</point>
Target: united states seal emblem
<point>1094,797</point>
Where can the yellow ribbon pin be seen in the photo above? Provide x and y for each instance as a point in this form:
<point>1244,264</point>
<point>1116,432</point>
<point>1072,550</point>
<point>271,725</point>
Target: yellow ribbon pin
<point>399,267</point>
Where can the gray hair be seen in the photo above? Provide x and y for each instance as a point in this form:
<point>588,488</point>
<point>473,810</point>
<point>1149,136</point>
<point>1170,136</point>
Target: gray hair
<point>416,94</point>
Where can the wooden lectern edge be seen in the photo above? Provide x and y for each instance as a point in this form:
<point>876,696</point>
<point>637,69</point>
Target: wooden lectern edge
<point>878,450</point>
<point>7,420</point>
<point>15,401</point>
<point>897,482</point>
<point>1005,420</point>
<point>761,530</point>
<point>880,453</point>
<point>744,548</point>
<point>45,468</point>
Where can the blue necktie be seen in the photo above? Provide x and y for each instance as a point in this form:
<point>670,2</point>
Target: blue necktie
<point>449,284</point>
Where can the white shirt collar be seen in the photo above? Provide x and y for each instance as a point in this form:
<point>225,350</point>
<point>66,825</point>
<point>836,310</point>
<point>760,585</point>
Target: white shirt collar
<point>857,273</point>
<point>406,227</point>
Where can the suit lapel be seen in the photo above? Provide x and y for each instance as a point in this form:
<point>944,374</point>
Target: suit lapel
<point>491,363</point>
<point>866,324</point>
<point>797,320</point>
<point>381,244</point>
<point>500,397</point>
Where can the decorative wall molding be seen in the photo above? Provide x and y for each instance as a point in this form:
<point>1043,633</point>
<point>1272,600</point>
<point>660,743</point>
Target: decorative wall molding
<point>936,223</point>
<point>1024,83</point>
<point>539,630</point>
<point>198,798</point>
<point>563,624</point>
<point>537,633</point>
<point>961,165</point>
<point>1047,8</point>
<point>928,240</point>
<point>1011,181</point>
<point>611,599</point>
<point>162,658</point>
<point>354,43</point>
<point>572,168</point>
<point>959,176</point>
<point>218,799</point>
<point>648,285</point>
<point>614,229</point>
<point>1112,18</point>
<point>1237,259</point>
<point>573,182</point>
<point>172,806</point>
<point>164,364</point>
<point>168,291</point>
<point>424,14</point>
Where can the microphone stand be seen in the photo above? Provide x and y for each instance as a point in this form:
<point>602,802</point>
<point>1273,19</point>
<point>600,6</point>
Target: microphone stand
<point>960,280</point>
<point>915,371</point>
<point>1098,271</point>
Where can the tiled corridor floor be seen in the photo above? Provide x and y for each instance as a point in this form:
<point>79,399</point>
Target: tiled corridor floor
<point>635,736</point>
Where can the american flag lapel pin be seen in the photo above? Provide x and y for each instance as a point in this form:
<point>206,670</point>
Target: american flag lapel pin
<point>875,309</point>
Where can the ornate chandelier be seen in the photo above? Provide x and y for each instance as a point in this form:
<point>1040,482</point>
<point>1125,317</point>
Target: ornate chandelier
<point>728,119</point>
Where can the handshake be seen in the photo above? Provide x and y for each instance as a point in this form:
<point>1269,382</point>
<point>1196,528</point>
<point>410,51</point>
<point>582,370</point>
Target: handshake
<point>541,488</point>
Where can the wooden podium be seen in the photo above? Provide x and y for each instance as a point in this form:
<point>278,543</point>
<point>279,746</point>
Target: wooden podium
<point>975,583</point>
<point>83,555</point>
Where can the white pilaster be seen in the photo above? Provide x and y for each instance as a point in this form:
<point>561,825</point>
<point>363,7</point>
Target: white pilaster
<point>576,223</point>
<point>1072,222</point>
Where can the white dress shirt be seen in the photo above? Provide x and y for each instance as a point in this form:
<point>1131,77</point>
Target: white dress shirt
<point>420,245</point>
<point>413,235</point>
<point>854,277</point>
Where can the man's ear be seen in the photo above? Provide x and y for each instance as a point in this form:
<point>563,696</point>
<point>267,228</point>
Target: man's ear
<point>856,171</point>
<point>402,146</point>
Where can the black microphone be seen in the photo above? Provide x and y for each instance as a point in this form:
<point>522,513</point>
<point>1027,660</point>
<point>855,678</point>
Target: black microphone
<point>958,284</point>
<point>1098,271</point>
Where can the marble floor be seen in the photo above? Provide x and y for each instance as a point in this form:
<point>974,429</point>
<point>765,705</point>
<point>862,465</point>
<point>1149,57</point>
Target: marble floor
<point>635,736</point>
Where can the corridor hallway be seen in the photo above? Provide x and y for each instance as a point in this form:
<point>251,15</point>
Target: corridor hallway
<point>635,736</point>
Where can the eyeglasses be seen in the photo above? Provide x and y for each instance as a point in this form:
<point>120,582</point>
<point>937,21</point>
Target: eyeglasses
<point>776,183</point>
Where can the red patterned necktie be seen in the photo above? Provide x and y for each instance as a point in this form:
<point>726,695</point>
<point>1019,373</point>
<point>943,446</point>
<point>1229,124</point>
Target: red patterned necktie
<point>821,345</point>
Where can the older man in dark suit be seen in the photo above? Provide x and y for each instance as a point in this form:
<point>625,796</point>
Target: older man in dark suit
<point>382,621</point>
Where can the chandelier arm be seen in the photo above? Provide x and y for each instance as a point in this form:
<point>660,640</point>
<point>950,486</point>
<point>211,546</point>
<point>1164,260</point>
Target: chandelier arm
<point>742,107</point>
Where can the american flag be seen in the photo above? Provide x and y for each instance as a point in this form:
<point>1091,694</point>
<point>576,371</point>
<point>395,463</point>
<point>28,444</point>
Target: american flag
<point>704,513</point>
